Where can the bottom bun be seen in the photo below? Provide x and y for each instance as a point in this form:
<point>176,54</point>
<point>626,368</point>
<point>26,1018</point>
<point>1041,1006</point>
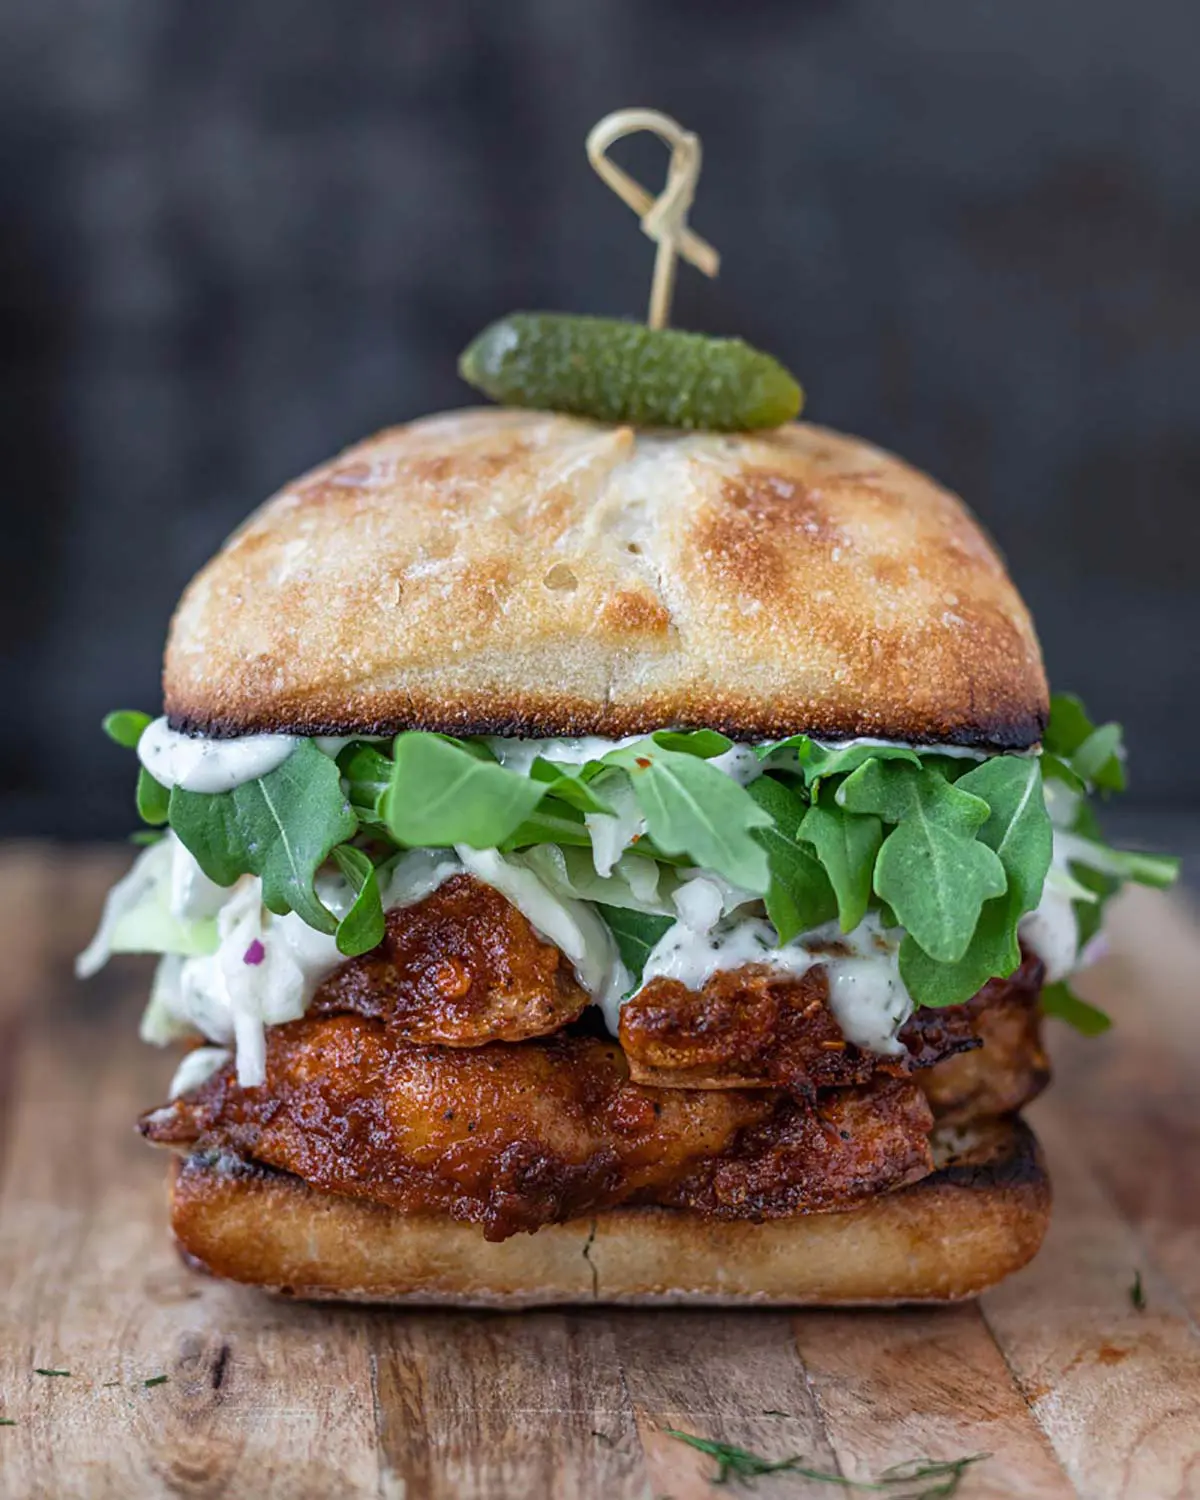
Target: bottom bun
<point>978,1218</point>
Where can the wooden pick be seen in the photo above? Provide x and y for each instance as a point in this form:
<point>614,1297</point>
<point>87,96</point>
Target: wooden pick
<point>663,218</point>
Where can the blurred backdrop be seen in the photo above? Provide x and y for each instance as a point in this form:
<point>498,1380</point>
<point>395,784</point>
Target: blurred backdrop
<point>235,237</point>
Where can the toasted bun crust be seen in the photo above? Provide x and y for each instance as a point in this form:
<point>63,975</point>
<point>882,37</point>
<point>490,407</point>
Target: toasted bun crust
<point>945,1238</point>
<point>516,572</point>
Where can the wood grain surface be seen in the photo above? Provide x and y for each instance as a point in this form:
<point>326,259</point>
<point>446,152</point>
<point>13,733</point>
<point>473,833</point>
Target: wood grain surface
<point>1056,1374</point>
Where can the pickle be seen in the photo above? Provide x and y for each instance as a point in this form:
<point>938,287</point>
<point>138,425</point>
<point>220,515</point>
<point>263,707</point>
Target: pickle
<point>616,371</point>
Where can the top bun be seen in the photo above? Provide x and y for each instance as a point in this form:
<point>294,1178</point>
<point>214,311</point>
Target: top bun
<point>516,572</point>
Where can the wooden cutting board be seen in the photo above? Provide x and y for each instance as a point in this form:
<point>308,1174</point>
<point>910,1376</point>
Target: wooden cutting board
<point>1069,1387</point>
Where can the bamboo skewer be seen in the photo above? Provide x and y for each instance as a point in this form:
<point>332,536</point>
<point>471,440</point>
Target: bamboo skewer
<point>663,219</point>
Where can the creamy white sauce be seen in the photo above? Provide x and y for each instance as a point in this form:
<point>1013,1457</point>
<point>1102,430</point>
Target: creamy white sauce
<point>962,752</point>
<point>196,1068</point>
<point>199,764</point>
<point>1051,930</point>
<point>520,754</point>
<point>740,763</point>
<point>866,994</point>
<point>612,833</point>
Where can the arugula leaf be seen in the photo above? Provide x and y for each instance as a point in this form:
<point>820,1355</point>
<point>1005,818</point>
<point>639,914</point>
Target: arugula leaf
<point>1061,1001</point>
<point>1090,914</point>
<point>281,827</point>
<point>1157,870</point>
<point>692,808</point>
<point>706,743</point>
<point>931,870</point>
<point>153,799</point>
<point>1018,826</point>
<point>1068,725</point>
<point>636,933</point>
<point>554,822</point>
<point>1096,755</point>
<point>820,761</point>
<point>368,774</point>
<point>125,726</point>
<point>442,794</point>
<point>570,784</point>
<point>362,928</point>
<point>817,761</point>
<point>799,896</point>
<point>1055,768</point>
<point>1018,830</point>
<point>847,846</point>
<point>1098,760</point>
<point>993,951</point>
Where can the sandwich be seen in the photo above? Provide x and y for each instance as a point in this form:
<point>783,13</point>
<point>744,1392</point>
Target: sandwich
<point>599,862</point>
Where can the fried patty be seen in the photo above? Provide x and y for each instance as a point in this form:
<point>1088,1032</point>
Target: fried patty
<point>461,968</point>
<point>755,1028</point>
<point>516,1136</point>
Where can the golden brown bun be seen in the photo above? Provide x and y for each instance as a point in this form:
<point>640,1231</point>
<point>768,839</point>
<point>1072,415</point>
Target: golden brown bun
<point>960,1230</point>
<point>516,572</point>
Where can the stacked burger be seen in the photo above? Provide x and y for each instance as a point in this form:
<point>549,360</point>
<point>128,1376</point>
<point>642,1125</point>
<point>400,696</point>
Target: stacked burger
<point>601,862</point>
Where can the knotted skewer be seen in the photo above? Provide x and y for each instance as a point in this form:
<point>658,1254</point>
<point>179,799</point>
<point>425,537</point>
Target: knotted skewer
<point>663,219</point>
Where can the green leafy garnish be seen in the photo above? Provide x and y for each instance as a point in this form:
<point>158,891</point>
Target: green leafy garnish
<point>39,1371</point>
<point>692,808</point>
<point>1095,755</point>
<point>153,799</point>
<point>362,928</point>
<point>442,794</point>
<point>799,896</point>
<point>932,870</point>
<point>636,933</point>
<point>818,762</point>
<point>156,1380</point>
<point>367,772</point>
<point>571,784</point>
<point>847,845</point>
<point>739,1463</point>
<point>1018,830</point>
<point>281,827</point>
<point>1137,1295</point>
<point>125,726</point>
<point>1061,1001</point>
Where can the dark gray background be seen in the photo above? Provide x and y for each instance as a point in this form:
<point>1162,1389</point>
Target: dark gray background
<point>238,235</point>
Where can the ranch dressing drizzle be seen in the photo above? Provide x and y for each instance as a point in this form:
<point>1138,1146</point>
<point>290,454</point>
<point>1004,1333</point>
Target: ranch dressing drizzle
<point>866,994</point>
<point>196,763</point>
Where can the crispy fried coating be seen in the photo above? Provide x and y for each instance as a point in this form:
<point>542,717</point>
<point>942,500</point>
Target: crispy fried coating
<point>755,1028</point>
<point>462,967</point>
<point>1010,1066</point>
<point>806,1159</point>
<point>513,1137</point>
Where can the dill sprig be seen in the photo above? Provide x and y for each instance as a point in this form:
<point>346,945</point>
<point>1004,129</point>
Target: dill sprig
<point>740,1464</point>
